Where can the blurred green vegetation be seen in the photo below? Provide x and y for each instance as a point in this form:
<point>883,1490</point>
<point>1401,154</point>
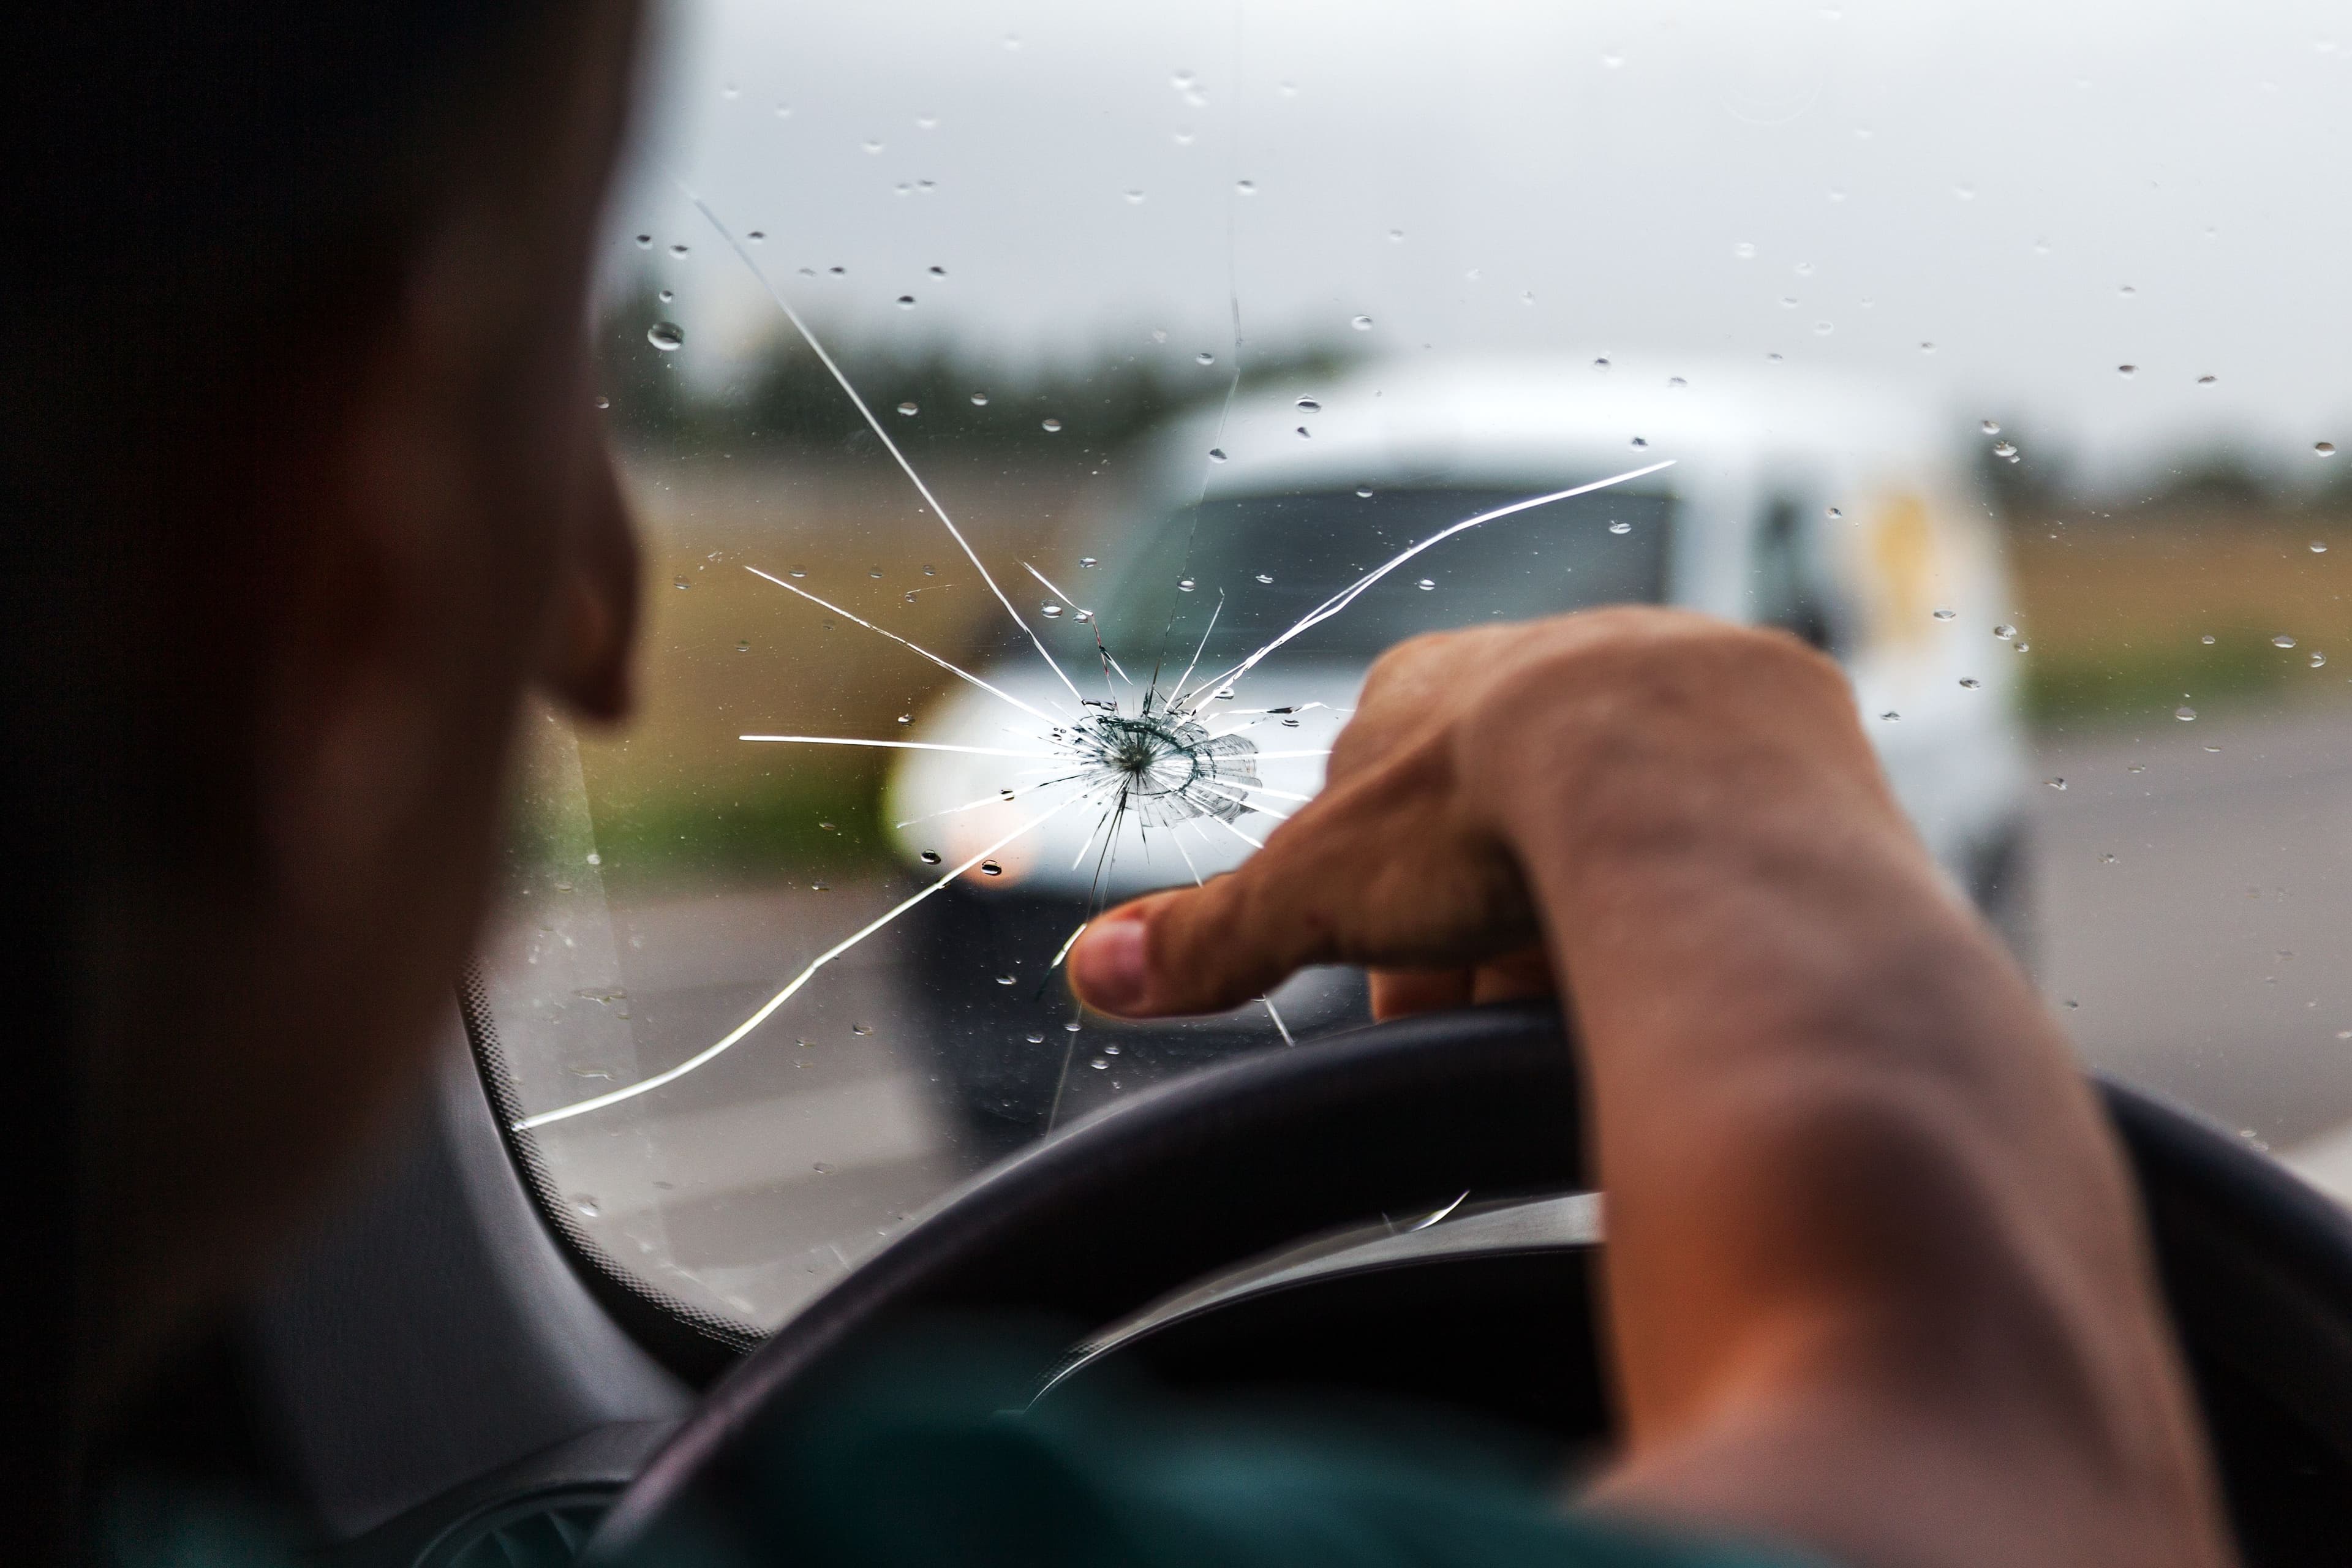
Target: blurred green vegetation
<point>803,828</point>
<point>786,402</point>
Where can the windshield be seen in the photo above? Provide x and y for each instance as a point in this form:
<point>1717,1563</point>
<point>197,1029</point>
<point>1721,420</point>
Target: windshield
<point>1272,559</point>
<point>1041,415</point>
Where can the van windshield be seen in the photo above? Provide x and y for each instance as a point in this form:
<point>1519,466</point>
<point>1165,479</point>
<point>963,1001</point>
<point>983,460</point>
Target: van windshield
<point>1272,559</point>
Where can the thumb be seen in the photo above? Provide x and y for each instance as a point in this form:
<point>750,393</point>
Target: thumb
<point>1200,950</point>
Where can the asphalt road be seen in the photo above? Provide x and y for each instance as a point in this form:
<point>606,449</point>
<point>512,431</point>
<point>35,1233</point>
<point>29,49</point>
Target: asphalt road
<point>2193,900</point>
<point>2193,893</point>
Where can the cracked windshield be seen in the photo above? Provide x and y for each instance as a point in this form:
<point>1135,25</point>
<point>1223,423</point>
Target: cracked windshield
<point>1040,416</point>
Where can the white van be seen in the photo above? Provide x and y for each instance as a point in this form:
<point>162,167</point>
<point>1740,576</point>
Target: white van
<point>1844,512</point>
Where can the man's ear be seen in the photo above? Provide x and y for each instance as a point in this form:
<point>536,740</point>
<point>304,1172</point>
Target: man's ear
<point>591,624</point>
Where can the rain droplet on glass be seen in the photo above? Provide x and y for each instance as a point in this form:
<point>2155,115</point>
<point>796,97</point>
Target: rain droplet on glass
<point>1217,454</point>
<point>1360,323</point>
<point>2323,448</point>
<point>907,409</point>
<point>1945,612</point>
<point>2184,713</point>
<point>1050,611</point>
<point>1426,585</point>
<point>1185,584</point>
<point>990,868</point>
<point>666,336</point>
<point>1621,528</point>
<point>1969,683</point>
<point>2004,631</point>
<point>930,856</point>
<point>1990,426</point>
<point>979,400</point>
<point>1050,424</point>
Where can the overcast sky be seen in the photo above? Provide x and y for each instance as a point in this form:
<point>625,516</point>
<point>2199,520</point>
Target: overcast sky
<point>2043,190</point>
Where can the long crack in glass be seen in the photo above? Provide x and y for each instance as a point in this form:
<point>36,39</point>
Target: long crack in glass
<point>1145,757</point>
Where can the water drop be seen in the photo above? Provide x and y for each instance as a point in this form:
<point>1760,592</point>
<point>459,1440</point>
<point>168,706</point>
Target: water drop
<point>2055,784</point>
<point>1640,442</point>
<point>2282,640</point>
<point>666,336</point>
<point>1834,513</point>
<point>1890,716</point>
<point>1051,425</point>
<point>744,647</point>
<point>979,400</point>
<point>861,1029</point>
<point>1185,584</point>
<point>1088,561</point>
<point>1426,585</point>
<point>1264,577</point>
<point>1602,365</point>
<point>668,295</point>
<point>1744,251</point>
<point>1073,1026</point>
<point>903,717</point>
<point>1926,348</point>
<point>2184,713</point>
<point>1100,1063</point>
<point>2207,639</point>
<point>930,856</point>
<point>1944,613</point>
<point>1363,492</point>
<point>2318,660</point>
<point>1050,612</point>
<point>1621,528</point>
<point>1971,683</point>
<point>604,402</point>
<point>1303,434</point>
<point>2127,290</point>
<point>586,1206</point>
<point>1362,323</point>
<point>907,409</point>
<point>1246,187</point>
<point>1204,357</point>
<point>1111,1050</point>
<point>680,583</point>
<point>1676,383</point>
<point>2324,448</point>
<point>2004,632</point>
<point>678,250</point>
<point>906,302</point>
<point>2318,547</point>
<point>2022,646</point>
<point>1217,454</point>
<point>1004,980</point>
<point>1823,328</point>
<point>871,145</point>
<point>2004,448</point>
<point>645,242</point>
<point>990,868</point>
<point>1035,1039</point>
<point>1396,237</point>
<point>1990,426</point>
<point>2207,380</point>
<point>1134,198</point>
<point>2126,369</point>
<point>797,572</point>
<point>1308,405</point>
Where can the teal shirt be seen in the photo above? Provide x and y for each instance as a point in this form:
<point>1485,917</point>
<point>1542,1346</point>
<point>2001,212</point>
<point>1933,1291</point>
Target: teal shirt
<point>930,1458</point>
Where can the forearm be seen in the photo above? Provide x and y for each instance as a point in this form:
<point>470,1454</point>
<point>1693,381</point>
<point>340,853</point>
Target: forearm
<point>1869,1243</point>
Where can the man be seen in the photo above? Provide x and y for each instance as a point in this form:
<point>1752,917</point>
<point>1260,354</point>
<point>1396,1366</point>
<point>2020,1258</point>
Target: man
<point>305,489</point>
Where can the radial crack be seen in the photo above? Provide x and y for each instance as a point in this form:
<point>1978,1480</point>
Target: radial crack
<point>894,637</point>
<point>1346,596</point>
<point>712,1053</point>
<point>881,432</point>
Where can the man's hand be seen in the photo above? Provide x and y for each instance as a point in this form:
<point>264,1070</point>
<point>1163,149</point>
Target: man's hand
<point>1406,863</point>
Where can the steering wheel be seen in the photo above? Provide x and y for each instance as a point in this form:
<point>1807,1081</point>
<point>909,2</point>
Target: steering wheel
<point>1152,1193</point>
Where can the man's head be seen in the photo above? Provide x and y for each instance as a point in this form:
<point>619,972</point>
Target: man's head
<point>304,487</point>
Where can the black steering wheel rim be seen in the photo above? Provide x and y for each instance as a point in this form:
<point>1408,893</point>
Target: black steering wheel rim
<point>1171,1184</point>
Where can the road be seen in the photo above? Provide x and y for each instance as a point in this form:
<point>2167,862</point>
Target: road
<point>2194,903</point>
<point>2193,899</point>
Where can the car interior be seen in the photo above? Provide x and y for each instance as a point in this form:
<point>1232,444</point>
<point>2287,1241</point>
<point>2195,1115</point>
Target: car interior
<point>766,1054</point>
